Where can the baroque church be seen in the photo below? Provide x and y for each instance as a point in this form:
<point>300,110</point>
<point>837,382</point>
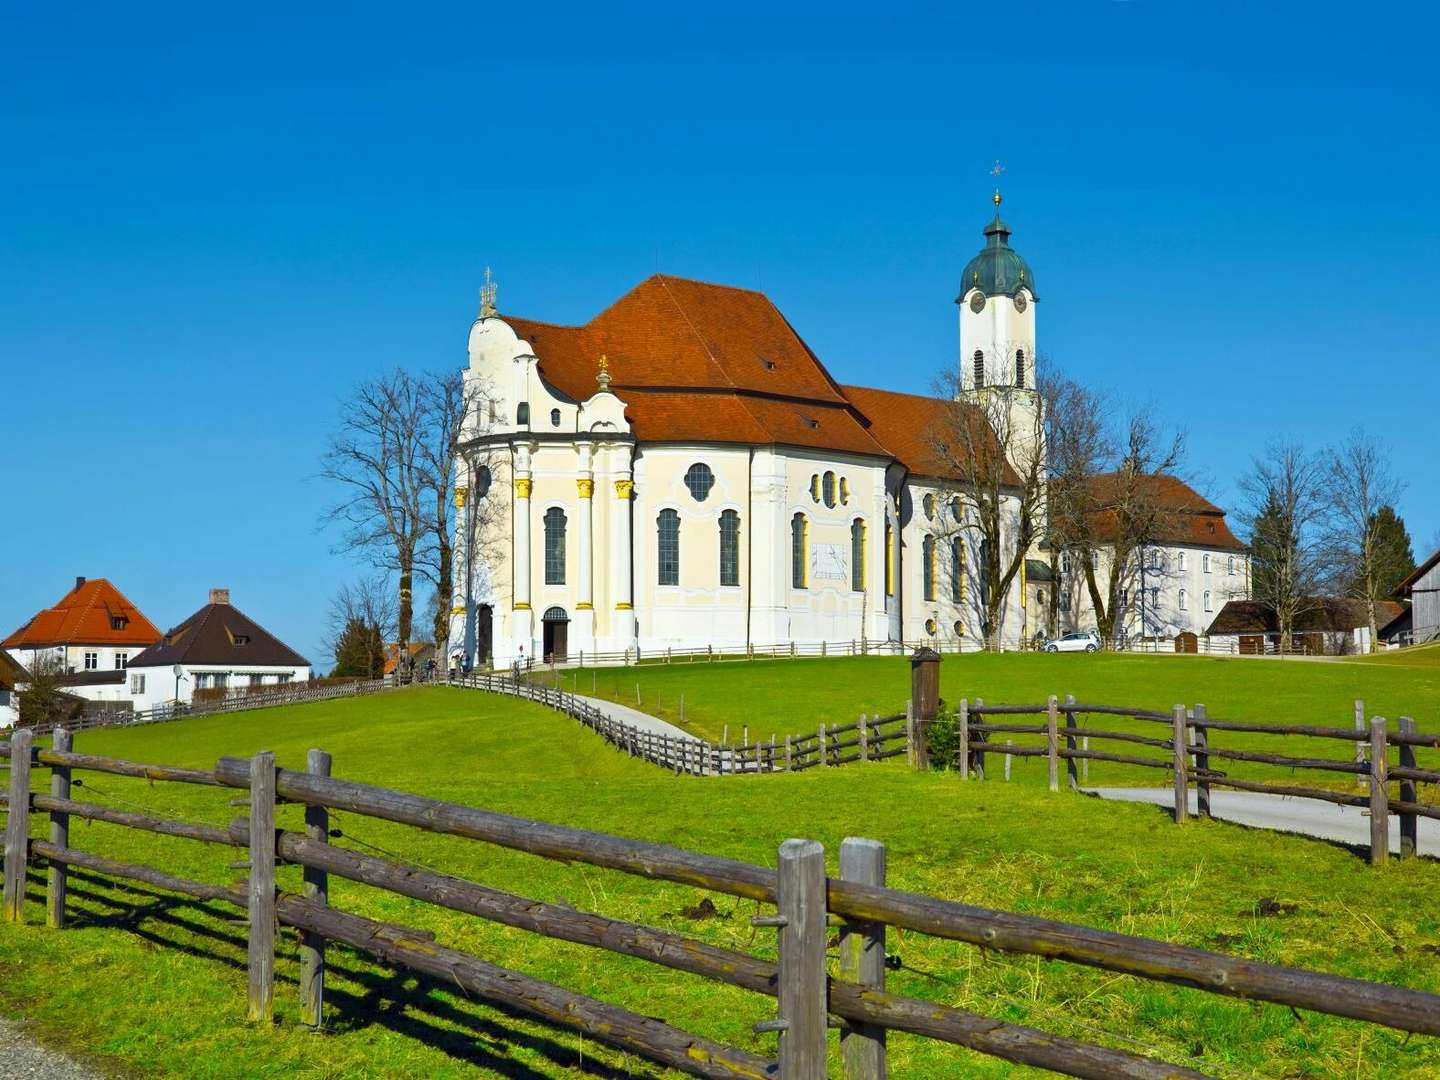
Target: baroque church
<point>683,472</point>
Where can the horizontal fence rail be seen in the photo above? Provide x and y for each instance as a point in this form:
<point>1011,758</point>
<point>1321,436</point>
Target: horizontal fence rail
<point>798,886</point>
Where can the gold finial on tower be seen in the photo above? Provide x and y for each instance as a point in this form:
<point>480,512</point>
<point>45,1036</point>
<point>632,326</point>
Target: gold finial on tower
<point>602,377</point>
<point>487,296</point>
<point>995,171</point>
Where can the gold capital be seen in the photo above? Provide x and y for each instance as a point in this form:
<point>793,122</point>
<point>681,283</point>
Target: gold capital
<point>582,606</point>
<point>460,492</point>
<point>622,606</point>
<point>522,606</point>
<point>458,609</point>
<point>586,488</point>
<point>624,488</point>
<point>522,488</point>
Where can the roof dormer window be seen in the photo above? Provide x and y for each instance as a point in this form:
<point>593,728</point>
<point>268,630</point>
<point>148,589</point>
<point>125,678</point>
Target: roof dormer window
<point>118,622</point>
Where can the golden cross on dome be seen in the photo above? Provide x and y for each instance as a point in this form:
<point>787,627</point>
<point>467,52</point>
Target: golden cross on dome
<point>602,377</point>
<point>995,171</point>
<point>487,296</point>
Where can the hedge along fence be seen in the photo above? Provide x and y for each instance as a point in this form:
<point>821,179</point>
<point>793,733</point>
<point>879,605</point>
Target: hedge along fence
<point>868,739</point>
<point>1187,751</point>
<point>802,894</point>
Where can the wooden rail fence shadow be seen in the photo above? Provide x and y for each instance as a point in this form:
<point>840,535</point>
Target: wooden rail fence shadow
<point>807,1000</point>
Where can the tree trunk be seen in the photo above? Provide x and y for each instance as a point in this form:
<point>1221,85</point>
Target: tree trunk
<point>445,588</point>
<point>407,607</point>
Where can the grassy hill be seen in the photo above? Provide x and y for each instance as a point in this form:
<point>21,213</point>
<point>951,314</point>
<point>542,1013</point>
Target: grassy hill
<point>155,983</point>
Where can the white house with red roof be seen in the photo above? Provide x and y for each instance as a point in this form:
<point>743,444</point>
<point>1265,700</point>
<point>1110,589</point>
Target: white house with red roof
<point>92,632</point>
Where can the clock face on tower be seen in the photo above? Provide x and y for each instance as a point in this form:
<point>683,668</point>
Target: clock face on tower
<point>1020,302</point>
<point>977,301</point>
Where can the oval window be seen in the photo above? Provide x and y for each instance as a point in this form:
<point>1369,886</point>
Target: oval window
<point>844,492</point>
<point>827,489</point>
<point>815,487</point>
<point>959,628</point>
<point>931,627</point>
<point>929,503</point>
<point>699,479</point>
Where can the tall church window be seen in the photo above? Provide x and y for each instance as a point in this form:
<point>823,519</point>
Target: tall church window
<point>667,547</point>
<point>729,548</point>
<point>979,367</point>
<point>699,479</point>
<point>957,570</point>
<point>889,559</point>
<point>554,546</point>
<point>1019,367</point>
<point>1184,600</point>
<point>522,413</point>
<point>857,555</point>
<point>927,558</point>
<point>1208,606</point>
<point>799,551</point>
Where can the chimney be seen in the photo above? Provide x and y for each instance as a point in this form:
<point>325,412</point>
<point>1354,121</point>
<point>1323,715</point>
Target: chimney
<point>220,596</point>
<point>79,581</point>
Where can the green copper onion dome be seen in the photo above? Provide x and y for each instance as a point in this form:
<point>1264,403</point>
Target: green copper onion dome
<point>998,270</point>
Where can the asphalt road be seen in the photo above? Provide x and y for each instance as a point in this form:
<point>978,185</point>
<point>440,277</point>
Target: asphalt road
<point>1307,817</point>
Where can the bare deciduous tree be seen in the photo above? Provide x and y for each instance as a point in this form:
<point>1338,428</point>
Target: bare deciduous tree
<point>1357,484</point>
<point>1284,514</point>
<point>362,622</point>
<point>993,444</point>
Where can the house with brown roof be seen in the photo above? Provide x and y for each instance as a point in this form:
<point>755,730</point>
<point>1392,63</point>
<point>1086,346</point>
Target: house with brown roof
<point>92,632</point>
<point>217,651</point>
<point>12,677</point>
<point>1324,626</point>
<point>1193,566</point>
<point>682,470</point>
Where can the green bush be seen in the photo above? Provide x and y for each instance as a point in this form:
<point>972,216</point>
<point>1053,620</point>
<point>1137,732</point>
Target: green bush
<point>942,739</point>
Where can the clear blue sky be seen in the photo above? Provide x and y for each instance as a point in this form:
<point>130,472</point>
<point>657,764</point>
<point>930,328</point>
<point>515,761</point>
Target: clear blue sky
<point>214,220</point>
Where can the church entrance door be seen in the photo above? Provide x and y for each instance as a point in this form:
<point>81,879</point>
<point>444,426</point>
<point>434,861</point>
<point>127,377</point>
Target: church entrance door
<point>556,624</point>
<point>484,635</point>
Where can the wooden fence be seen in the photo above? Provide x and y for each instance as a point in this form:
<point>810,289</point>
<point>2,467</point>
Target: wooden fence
<point>799,889</point>
<point>868,739</point>
<point>1189,751</point>
<point>290,694</point>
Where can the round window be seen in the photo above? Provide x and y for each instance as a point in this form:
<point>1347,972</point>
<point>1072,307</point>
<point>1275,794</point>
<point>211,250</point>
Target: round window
<point>699,479</point>
<point>931,627</point>
<point>959,628</point>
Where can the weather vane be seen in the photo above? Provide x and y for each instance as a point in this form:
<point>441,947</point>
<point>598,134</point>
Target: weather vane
<point>602,377</point>
<point>995,171</point>
<point>487,296</point>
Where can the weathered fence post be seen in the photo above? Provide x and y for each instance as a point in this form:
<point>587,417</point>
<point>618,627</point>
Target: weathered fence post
<point>1379,797</point>
<point>1072,766</point>
<point>862,960</point>
<point>980,749</point>
<point>1408,820</point>
<point>317,890</point>
<point>963,719</point>
<point>824,755</point>
<point>1085,762</point>
<point>261,905</point>
<point>1200,738</point>
<point>1008,756</point>
<point>910,733</point>
<point>925,694</point>
<point>56,881</point>
<point>1052,740</point>
<point>1181,748</point>
<point>789,758</point>
<point>17,824</point>
<point>1361,743</point>
<point>864,739</point>
<point>800,897</point>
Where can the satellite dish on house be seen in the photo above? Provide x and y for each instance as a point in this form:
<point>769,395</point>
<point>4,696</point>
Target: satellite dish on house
<point>177,671</point>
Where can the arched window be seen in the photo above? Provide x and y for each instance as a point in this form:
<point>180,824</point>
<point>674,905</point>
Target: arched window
<point>667,547</point>
<point>957,510</point>
<point>1184,601</point>
<point>857,555</point>
<point>979,367</point>
<point>522,413</point>
<point>827,488</point>
<point>1205,562</point>
<point>699,479</point>
<point>1019,367</point>
<point>554,417</point>
<point>481,485</point>
<point>1207,601</point>
<point>1230,566</point>
<point>799,551</point>
<point>927,558</point>
<point>1183,562</point>
<point>554,546</point>
<point>889,559</point>
<point>957,570</point>
<point>729,548</point>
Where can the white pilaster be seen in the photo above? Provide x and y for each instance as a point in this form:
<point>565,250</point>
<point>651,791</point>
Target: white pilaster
<point>621,559</point>
<point>522,631</point>
<point>583,622</point>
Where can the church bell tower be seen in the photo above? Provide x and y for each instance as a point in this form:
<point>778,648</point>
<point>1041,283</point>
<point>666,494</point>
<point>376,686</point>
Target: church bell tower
<point>997,316</point>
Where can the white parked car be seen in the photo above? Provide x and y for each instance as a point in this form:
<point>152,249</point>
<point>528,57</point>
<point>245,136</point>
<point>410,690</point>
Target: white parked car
<point>1077,641</point>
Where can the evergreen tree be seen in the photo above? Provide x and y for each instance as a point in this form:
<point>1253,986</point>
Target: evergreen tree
<point>1394,555</point>
<point>359,651</point>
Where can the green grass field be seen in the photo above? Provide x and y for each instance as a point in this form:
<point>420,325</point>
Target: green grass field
<point>154,984</point>
<point>793,696</point>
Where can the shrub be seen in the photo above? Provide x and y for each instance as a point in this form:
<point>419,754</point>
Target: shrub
<point>942,739</point>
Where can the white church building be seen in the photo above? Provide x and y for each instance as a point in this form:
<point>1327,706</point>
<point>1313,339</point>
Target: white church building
<point>682,471</point>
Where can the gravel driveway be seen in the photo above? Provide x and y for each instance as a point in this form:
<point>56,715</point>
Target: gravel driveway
<point>22,1058</point>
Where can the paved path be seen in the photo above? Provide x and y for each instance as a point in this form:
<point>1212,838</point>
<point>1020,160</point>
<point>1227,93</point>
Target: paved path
<point>1308,817</point>
<point>22,1058</point>
<point>634,717</point>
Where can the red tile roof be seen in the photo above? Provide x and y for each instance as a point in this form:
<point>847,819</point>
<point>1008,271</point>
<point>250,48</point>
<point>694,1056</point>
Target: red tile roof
<point>913,428</point>
<point>85,616</point>
<point>1191,519</point>
<point>697,362</point>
